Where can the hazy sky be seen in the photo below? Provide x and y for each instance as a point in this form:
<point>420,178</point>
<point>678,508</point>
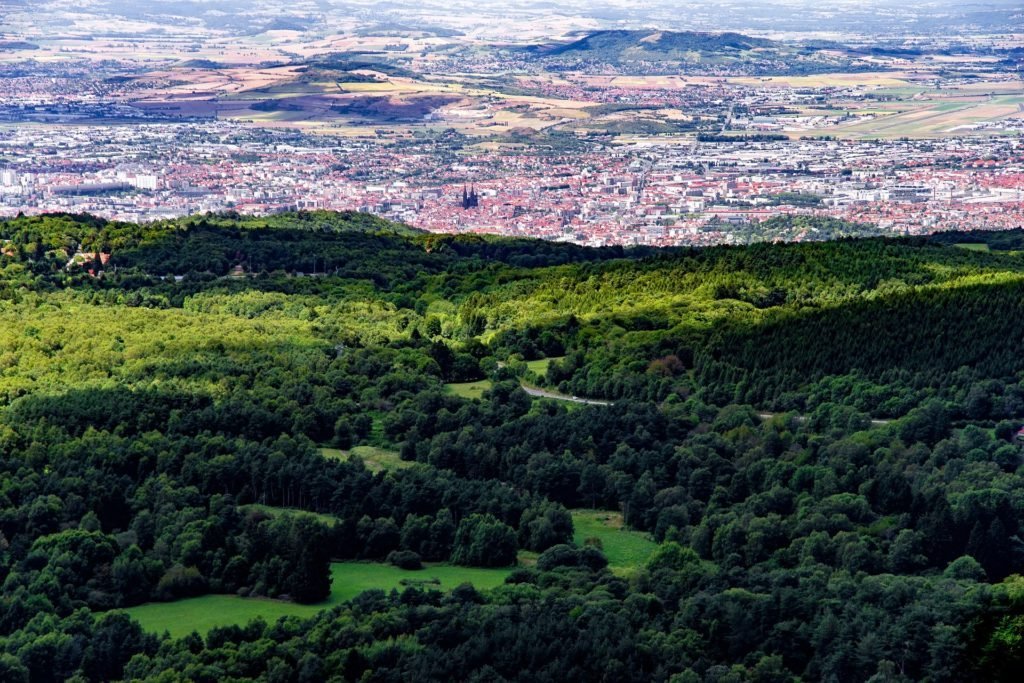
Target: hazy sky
<point>849,16</point>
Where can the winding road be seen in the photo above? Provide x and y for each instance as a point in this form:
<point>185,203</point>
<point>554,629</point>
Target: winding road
<point>803,418</point>
<point>544,393</point>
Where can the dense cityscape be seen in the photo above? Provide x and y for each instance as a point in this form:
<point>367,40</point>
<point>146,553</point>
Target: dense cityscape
<point>643,192</point>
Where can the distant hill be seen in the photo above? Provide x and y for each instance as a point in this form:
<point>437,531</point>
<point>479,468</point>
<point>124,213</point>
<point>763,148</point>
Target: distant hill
<point>202,64</point>
<point>693,50</point>
<point>346,62</point>
<point>664,41</point>
<point>622,46</point>
<point>17,45</point>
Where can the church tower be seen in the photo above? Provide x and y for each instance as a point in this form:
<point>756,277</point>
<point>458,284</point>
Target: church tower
<point>470,199</point>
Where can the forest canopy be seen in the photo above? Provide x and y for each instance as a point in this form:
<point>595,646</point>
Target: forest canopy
<point>820,438</point>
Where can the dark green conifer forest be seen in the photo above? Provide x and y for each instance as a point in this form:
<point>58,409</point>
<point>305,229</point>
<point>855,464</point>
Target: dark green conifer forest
<point>820,438</point>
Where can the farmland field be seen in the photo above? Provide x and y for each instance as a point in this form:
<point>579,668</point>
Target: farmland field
<point>934,117</point>
<point>893,79</point>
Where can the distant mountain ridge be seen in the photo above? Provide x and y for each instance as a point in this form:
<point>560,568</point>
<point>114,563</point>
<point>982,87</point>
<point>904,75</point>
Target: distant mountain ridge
<point>666,42</point>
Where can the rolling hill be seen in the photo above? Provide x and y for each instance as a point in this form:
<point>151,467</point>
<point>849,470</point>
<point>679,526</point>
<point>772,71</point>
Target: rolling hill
<point>690,51</point>
<point>668,45</point>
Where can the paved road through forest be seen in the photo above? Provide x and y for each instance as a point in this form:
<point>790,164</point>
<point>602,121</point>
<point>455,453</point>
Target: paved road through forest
<point>544,393</point>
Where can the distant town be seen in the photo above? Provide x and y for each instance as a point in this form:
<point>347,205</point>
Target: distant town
<point>618,137</point>
<point>638,193</point>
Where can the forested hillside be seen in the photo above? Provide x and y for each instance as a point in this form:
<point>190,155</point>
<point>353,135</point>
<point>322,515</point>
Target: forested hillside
<point>821,439</point>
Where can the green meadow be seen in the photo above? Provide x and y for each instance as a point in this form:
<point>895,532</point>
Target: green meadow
<point>626,550</point>
<point>469,389</point>
<point>201,614</point>
<point>539,367</point>
<point>376,459</point>
<point>973,246</point>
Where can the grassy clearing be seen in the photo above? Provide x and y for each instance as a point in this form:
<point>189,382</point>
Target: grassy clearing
<point>469,389</point>
<point>352,578</point>
<point>626,550</point>
<point>181,617</point>
<point>540,367</point>
<point>201,614</point>
<point>973,246</point>
<point>376,436</point>
<point>375,458</point>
